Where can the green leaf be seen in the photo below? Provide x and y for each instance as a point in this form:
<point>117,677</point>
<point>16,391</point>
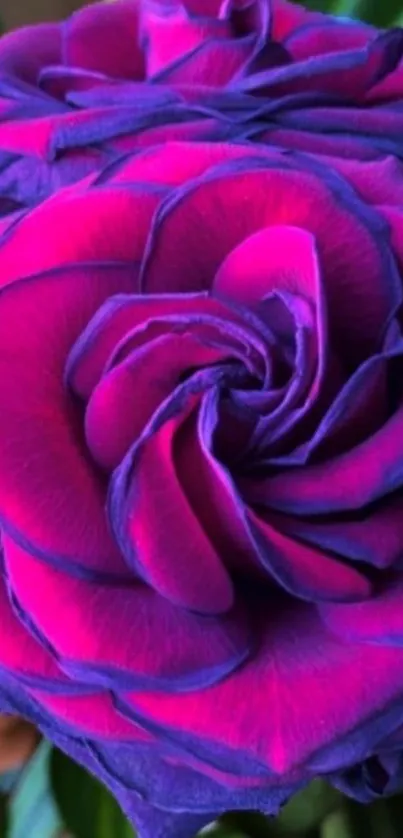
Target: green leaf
<point>248,824</point>
<point>374,11</point>
<point>337,825</point>
<point>224,832</point>
<point>307,809</point>
<point>4,817</point>
<point>112,823</point>
<point>329,6</point>
<point>86,807</point>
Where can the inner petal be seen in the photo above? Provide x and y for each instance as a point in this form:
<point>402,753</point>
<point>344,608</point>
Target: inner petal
<point>128,395</point>
<point>150,511</point>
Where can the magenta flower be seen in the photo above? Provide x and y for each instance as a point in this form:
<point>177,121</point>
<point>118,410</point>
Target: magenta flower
<point>201,477</point>
<point>119,76</point>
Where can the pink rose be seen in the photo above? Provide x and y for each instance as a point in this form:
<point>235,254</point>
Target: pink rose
<point>201,475</point>
<point>119,76</point>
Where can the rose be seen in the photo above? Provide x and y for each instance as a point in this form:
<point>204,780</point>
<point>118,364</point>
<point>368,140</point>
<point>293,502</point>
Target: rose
<point>200,478</point>
<point>77,94</point>
<point>113,77</point>
<point>74,96</point>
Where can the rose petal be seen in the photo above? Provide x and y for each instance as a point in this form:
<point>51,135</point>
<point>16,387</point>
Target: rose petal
<point>213,63</point>
<point>51,497</point>
<point>129,317</point>
<point>252,195</point>
<point>347,73</point>
<point>20,653</point>
<point>24,52</point>
<point>150,513</point>
<point>91,715</point>
<point>378,621</point>
<point>381,127</point>
<point>296,656</point>
<point>327,36</point>
<point>127,396</point>
<point>375,539</point>
<point>314,142</point>
<point>304,571</point>
<point>168,165</point>
<point>288,17</point>
<point>174,33</point>
<point>104,38</point>
<point>350,481</point>
<point>104,225</point>
<point>377,182</point>
<point>157,641</point>
<point>275,258</point>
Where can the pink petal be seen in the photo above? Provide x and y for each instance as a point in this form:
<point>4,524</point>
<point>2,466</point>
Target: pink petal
<point>275,258</point>
<point>364,474</point>
<point>343,145</point>
<point>51,497</point>
<point>104,225</point>
<point>258,197</point>
<point>20,653</point>
<point>348,73</point>
<point>197,130</point>
<point>173,33</point>
<point>129,317</point>
<point>160,646</point>
<point>380,620</point>
<point>307,572</point>
<point>24,52</point>
<point>290,684</point>
<point>376,538</point>
<point>394,217</point>
<point>327,36</point>
<point>388,89</point>
<point>207,8</point>
<point>170,165</point>
<point>93,715</point>
<point>377,182</point>
<point>128,395</point>
<point>155,515</point>
<point>288,17</point>
<point>104,38</point>
<point>214,63</point>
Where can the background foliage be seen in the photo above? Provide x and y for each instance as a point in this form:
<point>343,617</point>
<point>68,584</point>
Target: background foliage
<point>74,801</point>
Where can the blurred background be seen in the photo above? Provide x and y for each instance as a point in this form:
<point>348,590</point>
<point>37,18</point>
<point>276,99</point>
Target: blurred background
<point>45,795</point>
<point>19,12</point>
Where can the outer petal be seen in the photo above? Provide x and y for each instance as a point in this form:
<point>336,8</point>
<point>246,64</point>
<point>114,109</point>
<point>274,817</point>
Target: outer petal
<point>172,34</point>
<point>24,52</point>
<point>347,74</point>
<point>212,64</point>
<point>105,38</point>
<point>51,497</point>
<point>91,714</point>
<point>21,654</point>
<point>157,641</point>
<point>289,17</point>
<point>104,225</point>
<point>296,656</point>
<point>327,36</point>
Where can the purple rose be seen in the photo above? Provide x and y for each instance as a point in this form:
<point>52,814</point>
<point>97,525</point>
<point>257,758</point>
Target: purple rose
<point>119,76</point>
<point>201,477</point>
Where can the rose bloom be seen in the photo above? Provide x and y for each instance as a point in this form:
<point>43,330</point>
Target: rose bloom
<point>201,477</point>
<point>116,76</point>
